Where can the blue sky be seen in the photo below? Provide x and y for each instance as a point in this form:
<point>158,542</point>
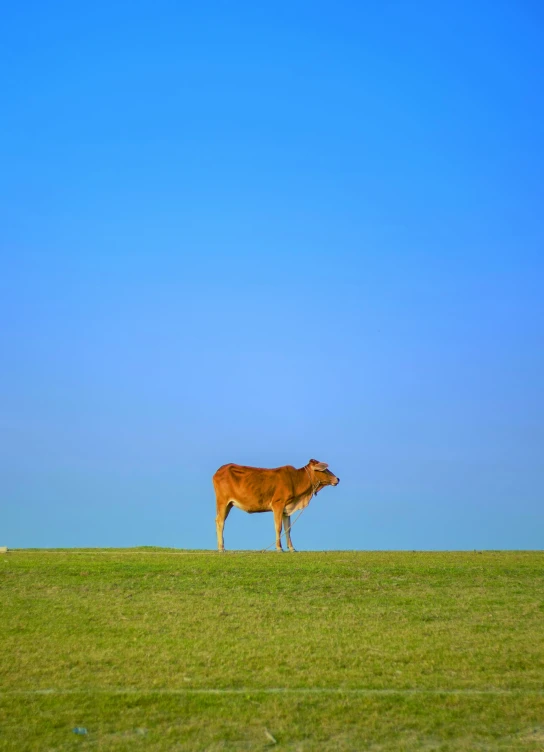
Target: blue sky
<point>264,234</point>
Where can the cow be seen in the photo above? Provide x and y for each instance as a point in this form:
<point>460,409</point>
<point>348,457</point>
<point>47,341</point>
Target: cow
<point>281,490</point>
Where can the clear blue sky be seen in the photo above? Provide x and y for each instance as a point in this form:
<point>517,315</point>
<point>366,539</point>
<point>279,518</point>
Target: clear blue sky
<point>260,233</point>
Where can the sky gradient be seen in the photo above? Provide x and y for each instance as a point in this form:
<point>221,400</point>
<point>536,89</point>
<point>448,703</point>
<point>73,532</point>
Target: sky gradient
<point>236,234</point>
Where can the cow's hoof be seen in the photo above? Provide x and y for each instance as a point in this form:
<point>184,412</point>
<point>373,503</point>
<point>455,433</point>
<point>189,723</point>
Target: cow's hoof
<point>279,550</point>
<point>221,551</point>
<point>293,551</point>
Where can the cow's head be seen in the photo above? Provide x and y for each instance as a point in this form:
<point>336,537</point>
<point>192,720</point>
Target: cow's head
<point>323,476</point>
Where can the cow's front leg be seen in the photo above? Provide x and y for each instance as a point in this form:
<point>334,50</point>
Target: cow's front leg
<point>278,514</point>
<point>287,528</point>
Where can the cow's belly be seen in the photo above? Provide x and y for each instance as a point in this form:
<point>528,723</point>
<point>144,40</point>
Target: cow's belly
<point>250,507</point>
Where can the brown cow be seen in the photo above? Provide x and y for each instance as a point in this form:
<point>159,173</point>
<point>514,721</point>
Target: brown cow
<point>281,490</point>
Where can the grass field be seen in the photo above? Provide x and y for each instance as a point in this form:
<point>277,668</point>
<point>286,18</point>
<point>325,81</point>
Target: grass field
<point>154,649</point>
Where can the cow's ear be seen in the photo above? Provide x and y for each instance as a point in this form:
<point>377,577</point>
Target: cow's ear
<point>318,465</point>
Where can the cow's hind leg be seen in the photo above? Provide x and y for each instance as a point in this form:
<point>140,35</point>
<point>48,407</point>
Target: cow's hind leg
<point>278,514</point>
<point>223,509</point>
<point>287,528</point>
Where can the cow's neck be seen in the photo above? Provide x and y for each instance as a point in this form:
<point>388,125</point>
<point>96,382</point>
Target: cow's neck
<point>313,486</point>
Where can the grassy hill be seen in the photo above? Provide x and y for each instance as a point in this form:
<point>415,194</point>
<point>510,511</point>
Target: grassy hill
<point>159,649</point>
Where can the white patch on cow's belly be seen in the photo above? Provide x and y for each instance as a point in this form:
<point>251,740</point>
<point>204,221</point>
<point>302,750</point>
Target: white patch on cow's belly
<point>245,507</point>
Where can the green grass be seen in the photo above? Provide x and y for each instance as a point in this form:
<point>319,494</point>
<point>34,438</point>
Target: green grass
<point>367,650</point>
